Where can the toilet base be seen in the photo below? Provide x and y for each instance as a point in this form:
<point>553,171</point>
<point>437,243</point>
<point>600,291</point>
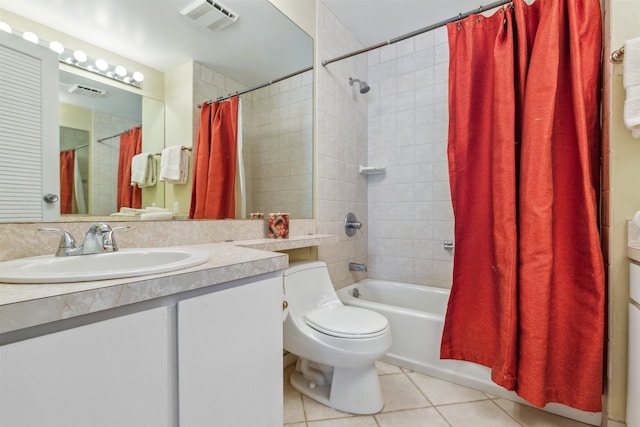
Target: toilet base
<point>352,390</point>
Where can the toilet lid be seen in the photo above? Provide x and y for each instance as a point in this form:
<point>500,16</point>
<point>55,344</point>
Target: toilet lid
<point>347,322</point>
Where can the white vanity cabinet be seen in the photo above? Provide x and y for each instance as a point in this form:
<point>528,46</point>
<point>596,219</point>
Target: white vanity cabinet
<point>114,372</point>
<point>230,357</point>
<point>207,357</point>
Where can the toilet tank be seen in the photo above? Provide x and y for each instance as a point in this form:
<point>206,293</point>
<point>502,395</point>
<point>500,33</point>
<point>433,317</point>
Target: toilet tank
<point>307,285</point>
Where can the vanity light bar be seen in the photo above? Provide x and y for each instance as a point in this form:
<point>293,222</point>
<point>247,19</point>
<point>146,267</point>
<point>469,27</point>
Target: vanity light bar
<point>81,60</point>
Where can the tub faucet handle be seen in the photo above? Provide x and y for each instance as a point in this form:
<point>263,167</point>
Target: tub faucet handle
<point>351,224</point>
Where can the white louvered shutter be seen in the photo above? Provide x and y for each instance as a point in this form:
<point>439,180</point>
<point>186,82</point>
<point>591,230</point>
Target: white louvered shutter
<point>29,138</point>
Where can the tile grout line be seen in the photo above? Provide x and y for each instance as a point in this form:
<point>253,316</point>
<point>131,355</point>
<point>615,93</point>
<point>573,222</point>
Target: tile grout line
<point>406,373</point>
<point>508,414</point>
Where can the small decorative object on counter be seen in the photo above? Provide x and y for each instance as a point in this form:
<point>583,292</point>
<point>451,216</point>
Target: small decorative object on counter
<point>256,215</point>
<point>278,226</point>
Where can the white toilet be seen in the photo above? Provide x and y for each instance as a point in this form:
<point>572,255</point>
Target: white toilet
<point>336,345</point>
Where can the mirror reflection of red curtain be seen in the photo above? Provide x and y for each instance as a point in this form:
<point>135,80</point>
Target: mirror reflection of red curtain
<point>528,283</point>
<point>67,164</point>
<point>214,169</point>
<point>130,144</point>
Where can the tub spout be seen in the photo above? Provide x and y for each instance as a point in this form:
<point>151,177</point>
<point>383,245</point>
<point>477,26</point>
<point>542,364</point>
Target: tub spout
<point>354,266</point>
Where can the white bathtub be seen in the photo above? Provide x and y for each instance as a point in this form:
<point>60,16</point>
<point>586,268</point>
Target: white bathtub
<point>416,316</point>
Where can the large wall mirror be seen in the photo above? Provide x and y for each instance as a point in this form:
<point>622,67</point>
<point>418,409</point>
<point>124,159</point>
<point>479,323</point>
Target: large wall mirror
<point>92,116</point>
<point>263,45</point>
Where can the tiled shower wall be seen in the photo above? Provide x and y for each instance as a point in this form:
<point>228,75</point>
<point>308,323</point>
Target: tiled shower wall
<point>341,141</point>
<point>277,139</point>
<point>104,173</point>
<point>401,123</point>
<point>278,147</point>
<point>410,214</point>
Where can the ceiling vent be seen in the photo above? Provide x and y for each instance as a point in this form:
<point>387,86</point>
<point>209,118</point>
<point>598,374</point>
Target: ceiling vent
<point>87,91</point>
<point>210,14</point>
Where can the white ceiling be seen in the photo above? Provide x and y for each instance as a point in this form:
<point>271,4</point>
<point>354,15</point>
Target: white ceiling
<point>261,46</point>
<point>377,21</point>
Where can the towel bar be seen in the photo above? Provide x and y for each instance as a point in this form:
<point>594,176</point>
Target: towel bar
<point>617,55</point>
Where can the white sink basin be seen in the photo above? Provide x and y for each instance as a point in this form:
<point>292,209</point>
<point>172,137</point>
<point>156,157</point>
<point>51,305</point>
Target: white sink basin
<point>112,265</point>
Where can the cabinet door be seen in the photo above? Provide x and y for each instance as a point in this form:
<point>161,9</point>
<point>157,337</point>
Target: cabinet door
<point>230,357</point>
<point>110,373</point>
<point>29,135</point>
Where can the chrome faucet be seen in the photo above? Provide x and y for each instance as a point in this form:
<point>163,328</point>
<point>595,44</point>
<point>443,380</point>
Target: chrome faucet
<point>354,266</point>
<point>99,239</point>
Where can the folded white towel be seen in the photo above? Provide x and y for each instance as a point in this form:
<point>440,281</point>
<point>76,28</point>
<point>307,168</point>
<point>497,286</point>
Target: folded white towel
<point>143,170</point>
<point>631,73</point>
<point>632,114</point>
<point>156,216</point>
<point>636,219</point>
<point>152,209</point>
<point>128,212</point>
<point>631,79</point>
<point>174,165</point>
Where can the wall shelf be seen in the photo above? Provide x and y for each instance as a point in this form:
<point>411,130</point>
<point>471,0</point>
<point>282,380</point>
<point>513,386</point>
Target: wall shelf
<point>373,170</point>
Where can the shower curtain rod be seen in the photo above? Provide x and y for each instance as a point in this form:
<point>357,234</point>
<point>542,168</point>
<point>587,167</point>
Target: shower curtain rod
<point>418,32</point>
<point>118,134</point>
<point>231,95</point>
<point>75,148</point>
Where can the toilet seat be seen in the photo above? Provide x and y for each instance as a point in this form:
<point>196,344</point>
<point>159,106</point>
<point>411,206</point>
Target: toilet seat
<point>347,322</point>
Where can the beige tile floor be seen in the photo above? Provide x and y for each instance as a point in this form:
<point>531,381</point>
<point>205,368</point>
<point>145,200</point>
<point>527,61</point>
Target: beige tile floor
<point>416,400</point>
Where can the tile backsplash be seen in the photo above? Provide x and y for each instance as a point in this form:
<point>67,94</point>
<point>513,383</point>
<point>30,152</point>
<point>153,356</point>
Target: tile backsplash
<point>23,239</point>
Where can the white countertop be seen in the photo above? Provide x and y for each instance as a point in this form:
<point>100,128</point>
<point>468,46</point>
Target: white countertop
<point>24,305</point>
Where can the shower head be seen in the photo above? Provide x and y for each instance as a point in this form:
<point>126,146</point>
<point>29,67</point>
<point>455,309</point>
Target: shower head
<point>364,87</point>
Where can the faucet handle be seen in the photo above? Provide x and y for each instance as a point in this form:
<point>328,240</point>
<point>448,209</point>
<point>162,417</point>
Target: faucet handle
<point>99,228</point>
<point>351,224</point>
<point>109,239</point>
<point>67,242</point>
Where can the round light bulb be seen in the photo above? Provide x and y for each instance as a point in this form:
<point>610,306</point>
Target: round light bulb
<point>5,27</point>
<point>31,37</point>
<point>56,47</point>
<point>121,71</point>
<point>102,64</point>
<point>80,56</point>
<point>138,76</point>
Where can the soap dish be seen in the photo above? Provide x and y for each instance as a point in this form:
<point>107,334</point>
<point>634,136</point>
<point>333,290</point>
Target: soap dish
<point>373,170</point>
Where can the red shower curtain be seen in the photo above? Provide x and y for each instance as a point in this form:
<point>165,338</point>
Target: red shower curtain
<point>212,195</point>
<point>129,196</point>
<point>67,165</point>
<point>528,284</point>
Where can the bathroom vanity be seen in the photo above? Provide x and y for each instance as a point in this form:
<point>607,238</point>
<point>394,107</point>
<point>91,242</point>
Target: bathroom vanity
<point>193,347</point>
